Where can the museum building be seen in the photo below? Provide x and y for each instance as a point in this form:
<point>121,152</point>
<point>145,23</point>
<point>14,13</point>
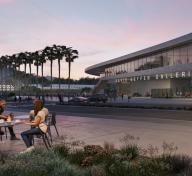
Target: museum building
<point>163,70</point>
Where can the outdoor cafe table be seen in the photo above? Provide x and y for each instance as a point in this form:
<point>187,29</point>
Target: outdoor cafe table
<point>6,125</point>
<point>12,123</point>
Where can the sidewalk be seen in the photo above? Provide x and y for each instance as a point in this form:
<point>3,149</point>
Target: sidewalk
<point>97,130</point>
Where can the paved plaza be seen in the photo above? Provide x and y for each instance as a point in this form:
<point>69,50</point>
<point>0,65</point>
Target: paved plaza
<point>97,130</point>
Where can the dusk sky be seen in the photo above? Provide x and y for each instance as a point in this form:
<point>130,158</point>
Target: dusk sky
<point>99,29</point>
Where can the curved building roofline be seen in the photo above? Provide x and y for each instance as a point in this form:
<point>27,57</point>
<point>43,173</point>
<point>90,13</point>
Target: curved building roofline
<point>99,68</point>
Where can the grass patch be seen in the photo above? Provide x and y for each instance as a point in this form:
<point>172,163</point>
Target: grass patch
<point>72,158</point>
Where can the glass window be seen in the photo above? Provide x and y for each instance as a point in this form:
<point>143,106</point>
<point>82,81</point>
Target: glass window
<point>176,55</point>
<point>148,63</point>
<point>170,57</point>
<point>144,63</point>
<point>158,62</point>
<point>190,53</point>
<point>119,69</point>
<point>128,67</point>
<point>184,54</point>
<point>131,66</point>
<point>113,70</point>
<point>153,65</point>
<point>140,63</point>
<point>165,59</point>
<point>136,64</point>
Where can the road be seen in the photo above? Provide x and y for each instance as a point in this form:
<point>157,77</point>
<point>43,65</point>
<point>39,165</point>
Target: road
<point>113,112</point>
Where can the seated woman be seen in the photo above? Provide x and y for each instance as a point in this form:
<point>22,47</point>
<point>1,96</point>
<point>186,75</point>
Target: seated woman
<point>37,123</point>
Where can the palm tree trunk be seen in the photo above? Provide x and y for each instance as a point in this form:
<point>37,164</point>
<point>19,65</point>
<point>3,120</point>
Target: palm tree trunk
<point>6,76</point>
<point>69,79</point>
<point>11,75</point>
<point>51,73</point>
<point>37,75</point>
<point>25,76</point>
<point>14,78</point>
<point>1,81</point>
<point>59,65</point>
<point>30,69</point>
<point>30,79</point>
<point>42,77</point>
<point>19,80</point>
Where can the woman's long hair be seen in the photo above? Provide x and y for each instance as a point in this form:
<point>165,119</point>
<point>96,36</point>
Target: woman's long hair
<point>38,105</point>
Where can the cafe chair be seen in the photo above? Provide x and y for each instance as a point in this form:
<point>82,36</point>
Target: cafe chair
<point>5,132</point>
<point>45,139</point>
<point>1,134</point>
<point>51,121</point>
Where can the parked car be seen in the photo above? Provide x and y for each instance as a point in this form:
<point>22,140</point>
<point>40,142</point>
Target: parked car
<point>77,100</point>
<point>97,98</point>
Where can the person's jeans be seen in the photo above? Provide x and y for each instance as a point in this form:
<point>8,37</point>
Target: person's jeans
<point>27,135</point>
<point>11,131</point>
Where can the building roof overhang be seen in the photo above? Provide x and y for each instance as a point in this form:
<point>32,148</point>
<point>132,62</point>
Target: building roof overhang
<point>99,68</point>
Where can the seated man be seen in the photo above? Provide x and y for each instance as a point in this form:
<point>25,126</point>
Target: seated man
<point>37,123</point>
<point>7,117</point>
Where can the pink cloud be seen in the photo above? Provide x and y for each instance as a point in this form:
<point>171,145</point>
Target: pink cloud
<point>6,1</point>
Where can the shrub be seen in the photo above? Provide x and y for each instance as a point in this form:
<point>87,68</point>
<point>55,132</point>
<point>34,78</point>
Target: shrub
<point>61,150</point>
<point>76,157</point>
<point>152,167</point>
<point>93,160</point>
<point>128,139</point>
<point>40,163</point>
<point>98,171</point>
<point>92,149</point>
<point>130,151</point>
<point>178,163</point>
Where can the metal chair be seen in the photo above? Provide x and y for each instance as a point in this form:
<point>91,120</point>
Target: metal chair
<point>51,121</point>
<point>44,137</point>
<point>5,132</point>
<point>1,135</point>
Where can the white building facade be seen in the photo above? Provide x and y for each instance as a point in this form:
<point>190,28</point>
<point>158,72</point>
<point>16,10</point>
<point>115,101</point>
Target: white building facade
<point>163,70</point>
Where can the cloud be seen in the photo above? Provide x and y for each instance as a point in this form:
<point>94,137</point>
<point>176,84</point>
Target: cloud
<point>6,1</point>
<point>90,53</point>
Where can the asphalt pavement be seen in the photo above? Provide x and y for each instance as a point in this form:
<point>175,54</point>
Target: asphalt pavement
<point>120,113</point>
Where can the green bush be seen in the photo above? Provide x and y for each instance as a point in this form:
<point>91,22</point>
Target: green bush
<point>61,150</point>
<point>40,163</point>
<point>153,167</point>
<point>76,157</point>
<point>94,160</point>
<point>178,163</point>
<point>130,151</point>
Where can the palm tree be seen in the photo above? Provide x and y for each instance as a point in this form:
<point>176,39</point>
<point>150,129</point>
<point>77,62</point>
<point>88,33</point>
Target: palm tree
<point>13,61</point>
<point>30,61</point>
<point>19,62</point>
<point>37,63</point>
<point>60,53</point>
<point>1,73</point>
<point>6,71</point>
<point>23,58</point>
<point>11,71</point>
<point>70,56</point>
<point>42,60</point>
<point>50,54</point>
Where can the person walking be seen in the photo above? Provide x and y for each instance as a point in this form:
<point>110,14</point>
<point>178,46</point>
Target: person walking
<point>7,117</point>
<point>122,95</point>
